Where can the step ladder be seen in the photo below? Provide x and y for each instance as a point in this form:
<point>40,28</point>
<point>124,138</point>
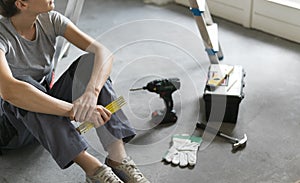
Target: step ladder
<point>208,30</point>
<point>72,11</point>
<point>209,33</point>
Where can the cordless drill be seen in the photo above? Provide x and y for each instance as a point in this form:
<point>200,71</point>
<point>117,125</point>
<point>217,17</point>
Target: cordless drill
<point>165,88</point>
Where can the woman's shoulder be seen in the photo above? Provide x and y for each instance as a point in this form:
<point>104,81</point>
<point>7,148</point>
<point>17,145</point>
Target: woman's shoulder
<point>47,16</point>
<point>6,27</point>
<point>4,22</point>
<point>5,33</point>
<point>53,22</point>
<point>50,16</point>
<point>53,17</point>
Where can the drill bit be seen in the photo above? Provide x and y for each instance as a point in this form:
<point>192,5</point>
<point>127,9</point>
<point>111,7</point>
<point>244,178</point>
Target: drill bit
<point>136,89</point>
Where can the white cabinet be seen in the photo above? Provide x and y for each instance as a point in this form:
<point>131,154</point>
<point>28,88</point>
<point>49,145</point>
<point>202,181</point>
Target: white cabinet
<point>238,11</point>
<point>277,17</point>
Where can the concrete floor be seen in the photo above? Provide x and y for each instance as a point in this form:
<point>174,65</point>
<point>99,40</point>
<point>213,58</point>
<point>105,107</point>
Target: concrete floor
<point>152,42</point>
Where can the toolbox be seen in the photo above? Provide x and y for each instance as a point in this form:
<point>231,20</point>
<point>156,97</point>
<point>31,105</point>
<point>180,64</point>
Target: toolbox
<point>222,103</point>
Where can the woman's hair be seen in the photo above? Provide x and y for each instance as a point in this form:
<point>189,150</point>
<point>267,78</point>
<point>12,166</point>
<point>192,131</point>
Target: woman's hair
<point>8,8</point>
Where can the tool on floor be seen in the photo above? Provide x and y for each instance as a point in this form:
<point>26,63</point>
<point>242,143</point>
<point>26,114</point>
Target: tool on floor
<point>236,143</point>
<point>165,88</point>
<point>113,107</point>
<point>216,93</point>
<point>222,104</point>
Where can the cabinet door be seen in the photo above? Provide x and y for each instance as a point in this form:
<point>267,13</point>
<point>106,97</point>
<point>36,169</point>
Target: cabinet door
<point>278,17</point>
<point>238,11</point>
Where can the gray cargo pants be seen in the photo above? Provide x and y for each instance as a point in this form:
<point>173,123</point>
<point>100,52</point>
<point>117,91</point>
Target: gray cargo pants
<point>57,134</point>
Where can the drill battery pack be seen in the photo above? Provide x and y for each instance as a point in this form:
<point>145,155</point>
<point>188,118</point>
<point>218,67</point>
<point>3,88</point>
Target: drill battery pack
<point>222,104</point>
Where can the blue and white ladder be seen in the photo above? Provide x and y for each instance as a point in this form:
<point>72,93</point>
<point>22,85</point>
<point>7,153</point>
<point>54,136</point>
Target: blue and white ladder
<point>208,30</point>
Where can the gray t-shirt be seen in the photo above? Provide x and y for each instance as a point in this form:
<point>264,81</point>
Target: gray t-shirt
<point>32,58</point>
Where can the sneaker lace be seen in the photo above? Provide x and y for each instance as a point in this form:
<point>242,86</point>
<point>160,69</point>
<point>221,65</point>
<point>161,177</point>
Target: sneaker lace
<point>110,177</point>
<point>134,172</point>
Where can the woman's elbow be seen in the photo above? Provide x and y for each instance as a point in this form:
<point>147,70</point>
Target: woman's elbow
<point>6,95</point>
<point>8,92</point>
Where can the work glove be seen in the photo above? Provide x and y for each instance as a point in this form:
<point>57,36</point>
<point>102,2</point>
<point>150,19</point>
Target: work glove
<point>183,151</point>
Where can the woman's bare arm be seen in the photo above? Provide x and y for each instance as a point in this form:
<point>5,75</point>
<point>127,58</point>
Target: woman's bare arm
<point>84,105</point>
<point>26,96</point>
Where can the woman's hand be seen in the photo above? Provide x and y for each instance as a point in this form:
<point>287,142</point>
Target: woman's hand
<point>84,106</point>
<point>103,115</point>
<point>85,109</point>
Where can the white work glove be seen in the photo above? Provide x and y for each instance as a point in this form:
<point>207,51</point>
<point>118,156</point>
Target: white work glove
<point>184,150</point>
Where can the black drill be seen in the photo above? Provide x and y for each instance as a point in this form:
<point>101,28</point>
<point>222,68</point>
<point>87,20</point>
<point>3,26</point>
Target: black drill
<point>165,88</point>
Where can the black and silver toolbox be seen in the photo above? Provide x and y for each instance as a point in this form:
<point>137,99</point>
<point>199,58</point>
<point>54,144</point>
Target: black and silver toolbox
<point>222,103</point>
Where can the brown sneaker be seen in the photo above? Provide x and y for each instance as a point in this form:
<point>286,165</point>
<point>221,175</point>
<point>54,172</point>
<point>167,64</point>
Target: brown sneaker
<point>103,175</point>
<point>128,171</point>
